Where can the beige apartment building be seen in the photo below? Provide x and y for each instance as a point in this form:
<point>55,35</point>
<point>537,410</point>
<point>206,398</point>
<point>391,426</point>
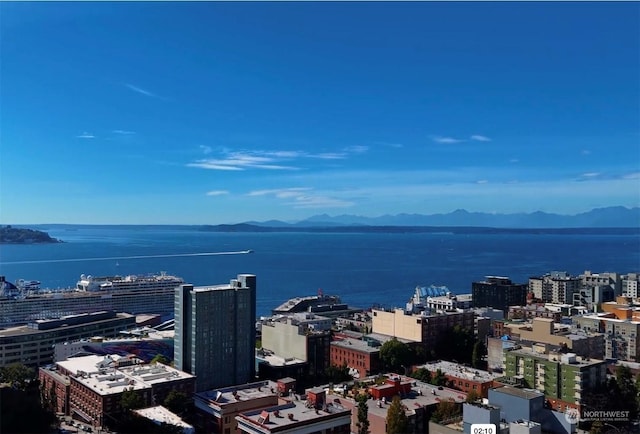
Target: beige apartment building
<point>425,329</point>
<point>555,287</point>
<point>584,343</point>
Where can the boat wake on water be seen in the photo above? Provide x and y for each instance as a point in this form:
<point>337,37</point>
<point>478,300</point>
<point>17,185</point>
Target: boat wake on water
<point>111,258</point>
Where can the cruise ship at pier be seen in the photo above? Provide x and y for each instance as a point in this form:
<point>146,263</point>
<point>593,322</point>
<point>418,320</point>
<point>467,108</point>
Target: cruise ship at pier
<point>154,293</point>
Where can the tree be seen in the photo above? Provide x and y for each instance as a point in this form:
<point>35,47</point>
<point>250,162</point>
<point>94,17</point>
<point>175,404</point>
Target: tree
<point>422,374</point>
<point>477,356</point>
<point>395,355</point>
<point>363,414</point>
<point>23,413</point>
<point>397,422</point>
<point>446,409</point>
<point>338,374</point>
<point>18,375</point>
<point>161,358</point>
<point>131,400</point>
<point>176,402</point>
<point>439,379</point>
<point>473,396</point>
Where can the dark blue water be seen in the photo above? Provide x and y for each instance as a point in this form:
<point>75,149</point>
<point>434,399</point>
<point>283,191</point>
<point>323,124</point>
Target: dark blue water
<point>364,268</point>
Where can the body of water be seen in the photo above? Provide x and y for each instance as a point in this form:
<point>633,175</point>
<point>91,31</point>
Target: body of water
<point>363,268</point>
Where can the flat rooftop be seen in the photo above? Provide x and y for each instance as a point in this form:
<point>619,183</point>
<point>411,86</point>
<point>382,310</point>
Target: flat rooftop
<point>99,374</point>
<point>460,371</point>
<point>275,360</point>
<point>288,416</point>
<point>356,345</point>
<point>421,395</point>
<point>162,415</point>
<point>25,330</point>
<point>245,392</point>
<point>579,361</point>
<point>518,392</point>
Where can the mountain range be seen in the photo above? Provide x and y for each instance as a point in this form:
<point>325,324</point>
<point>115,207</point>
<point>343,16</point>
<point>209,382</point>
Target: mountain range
<point>610,217</point>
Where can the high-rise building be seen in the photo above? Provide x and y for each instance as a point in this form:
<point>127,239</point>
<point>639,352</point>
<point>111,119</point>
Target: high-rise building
<point>499,293</point>
<point>215,332</point>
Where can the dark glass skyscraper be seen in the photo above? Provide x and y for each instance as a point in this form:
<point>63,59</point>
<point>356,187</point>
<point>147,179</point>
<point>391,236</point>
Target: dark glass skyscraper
<point>215,332</point>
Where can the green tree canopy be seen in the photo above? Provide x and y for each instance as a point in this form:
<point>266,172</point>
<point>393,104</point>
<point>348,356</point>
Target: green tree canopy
<point>439,379</point>
<point>473,396</point>
<point>22,413</point>
<point>338,374</point>
<point>161,358</point>
<point>422,374</point>
<point>177,402</point>
<point>456,344</point>
<point>131,400</point>
<point>477,356</point>
<point>395,355</point>
<point>446,410</point>
<point>363,414</point>
<point>397,422</point>
<point>18,375</point>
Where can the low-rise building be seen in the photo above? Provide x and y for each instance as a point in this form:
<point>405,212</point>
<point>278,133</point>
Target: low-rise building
<point>145,346</point>
<point>160,415</point>
<point>448,302</point>
<point>620,335</point>
<point>96,385</point>
<point>32,345</point>
<point>563,377</point>
<point>313,415</point>
<point>544,330</point>
<point>218,408</point>
<point>302,336</point>
<point>462,377</point>
<point>418,399</point>
<point>535,310</point>
<point>423,328</point>
<point>361,356</point>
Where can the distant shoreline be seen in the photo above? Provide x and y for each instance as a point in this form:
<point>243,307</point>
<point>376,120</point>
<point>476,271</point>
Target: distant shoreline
<point>453,230</point>
<point>391,229</point>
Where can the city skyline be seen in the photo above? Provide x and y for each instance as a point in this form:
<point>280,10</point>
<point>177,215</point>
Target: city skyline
<point>208,113</point>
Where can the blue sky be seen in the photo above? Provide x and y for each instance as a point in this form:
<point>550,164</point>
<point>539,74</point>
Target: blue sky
<point>170,113</point>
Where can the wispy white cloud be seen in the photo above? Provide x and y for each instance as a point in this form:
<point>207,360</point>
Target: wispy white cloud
<point>303,197</point>
<point>241,161</point>
<point>514,160</point>
<point>312,201</point>
<point>269,160</point>
<point>585,152</point>
<point>479,138</point>
<point>141,91</point>
<point>123,132</point>
<point>590,175</point>
<point>634,175</point>
<point>356,149</point>
<point>328,156</point>
<point>280,192</point>
<point>446,140</point>
<point>482,181</point>
<point>217,192</point>
<point>85,135</point>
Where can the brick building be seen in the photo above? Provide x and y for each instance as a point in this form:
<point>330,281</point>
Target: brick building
<point>96,384</point>
<point>462,377</point>
<point>362,356</point>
